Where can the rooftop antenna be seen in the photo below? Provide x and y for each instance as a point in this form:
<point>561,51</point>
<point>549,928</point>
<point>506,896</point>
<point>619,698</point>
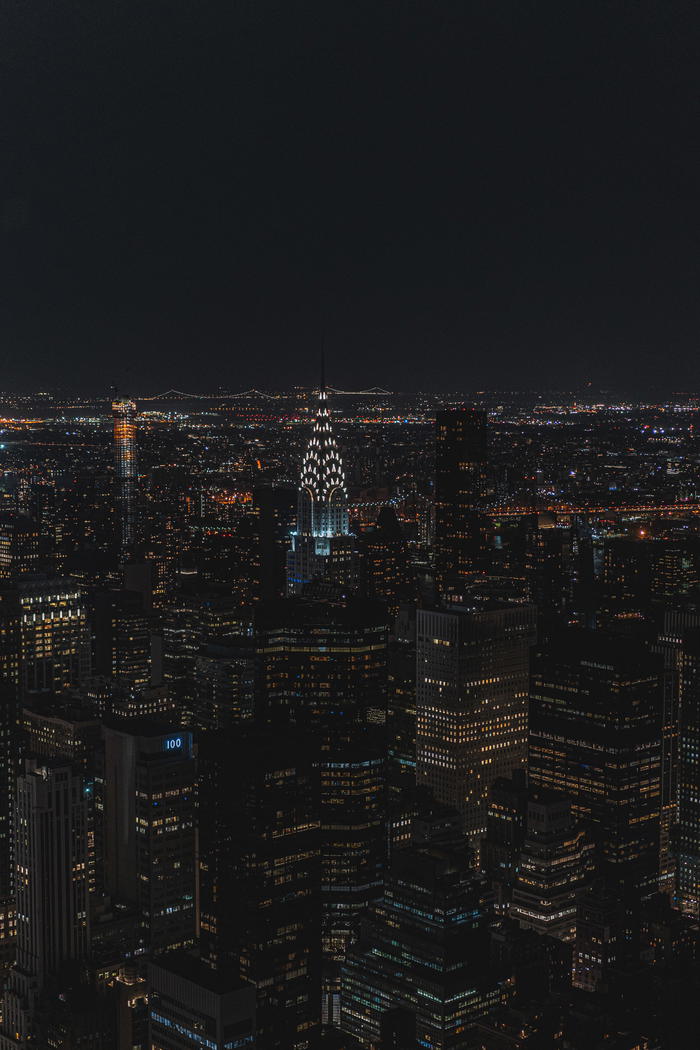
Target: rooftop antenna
<point>323,369</point>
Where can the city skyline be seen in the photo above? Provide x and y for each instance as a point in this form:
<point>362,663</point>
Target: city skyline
<point>349,525</point>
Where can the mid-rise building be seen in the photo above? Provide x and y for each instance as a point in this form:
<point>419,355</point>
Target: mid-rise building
<point>192,1006</point>
<point>599,947</point>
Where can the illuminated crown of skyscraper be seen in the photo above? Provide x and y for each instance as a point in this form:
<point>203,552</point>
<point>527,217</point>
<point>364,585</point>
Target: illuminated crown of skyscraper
<point>322,493</point>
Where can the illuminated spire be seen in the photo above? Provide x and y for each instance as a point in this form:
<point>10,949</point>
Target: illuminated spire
<point>321,544</point>
<point>322,474</point>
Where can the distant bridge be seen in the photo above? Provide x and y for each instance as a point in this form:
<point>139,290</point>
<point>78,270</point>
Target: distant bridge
<point>566,510</point>
<point>182,395</point>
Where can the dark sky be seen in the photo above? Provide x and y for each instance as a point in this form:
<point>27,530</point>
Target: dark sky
<point>458,195</point>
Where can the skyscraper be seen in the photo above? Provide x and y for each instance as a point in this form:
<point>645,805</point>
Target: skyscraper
<point>19,546</point>
<point>555,867</point>
<point>422,948</point>
<point>471,702</point>
<point>224,682</point>
<point>149,836</point>
<point>595,733</point>
<point>386,570</point>
<point>260,875</point>
<point>122,637</point>
<point>54,635</point>
<point>677,643</point>
<point>353,843</point>
<point>193,1006</point>
<point>124,412</point>
<point>322,545</point>
<point>322,661</point>
<point>461,460</point>
<point>322,666</point>
<point>689,775</point>
<point>51,886</point>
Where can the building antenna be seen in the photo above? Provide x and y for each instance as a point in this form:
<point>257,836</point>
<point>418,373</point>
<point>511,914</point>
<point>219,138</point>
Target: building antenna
<point>323,367</point>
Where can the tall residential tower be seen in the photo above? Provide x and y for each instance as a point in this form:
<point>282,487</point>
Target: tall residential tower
<point>125,468</point>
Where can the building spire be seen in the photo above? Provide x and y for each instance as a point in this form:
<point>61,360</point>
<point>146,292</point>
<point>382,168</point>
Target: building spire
<point>322,531</point>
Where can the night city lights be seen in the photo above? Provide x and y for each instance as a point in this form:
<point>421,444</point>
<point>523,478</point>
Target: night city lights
<point>349,526</point>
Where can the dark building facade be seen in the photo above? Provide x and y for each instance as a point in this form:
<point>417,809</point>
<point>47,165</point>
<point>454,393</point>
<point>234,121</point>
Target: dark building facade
<point>149,828</point>
<point>260,876</point>
<point>596,704</point>
<point>461,480</point>
<point>422,949</point>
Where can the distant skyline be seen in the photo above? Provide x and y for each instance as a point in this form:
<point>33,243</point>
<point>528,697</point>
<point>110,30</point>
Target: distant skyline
<point>453,196</point>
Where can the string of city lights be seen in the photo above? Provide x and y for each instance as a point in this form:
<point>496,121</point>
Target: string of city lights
<point>251,393</point>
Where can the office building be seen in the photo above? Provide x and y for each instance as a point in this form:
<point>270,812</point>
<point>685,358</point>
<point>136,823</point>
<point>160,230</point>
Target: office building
<point>506,823</point>
<point>599,946</point>
<point>19,546</point>
<point>422,949</point>
<point>549,566</point>
<point>595,731</point>
<point>401,701</point>
<point>322,660</point>
<point>260,875</point>
<point>461,485</point>
<point>54,634</point>
<point>387,573</point>
<point>353,843</point>
<point>676,644</point>
<point>148,787</point>
<point>275,512</point>
<point>199,615</point>
<point>471,701</point>
<point>130,995</point>
<point>122,630</point>
<point>191,1006</point>
<point>51,892</point>
<point>555,867</point>
<point>688,773</point>
<point>224,682</point>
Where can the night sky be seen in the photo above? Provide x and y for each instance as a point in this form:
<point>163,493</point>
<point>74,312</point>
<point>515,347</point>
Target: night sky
<point>451,195</point>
